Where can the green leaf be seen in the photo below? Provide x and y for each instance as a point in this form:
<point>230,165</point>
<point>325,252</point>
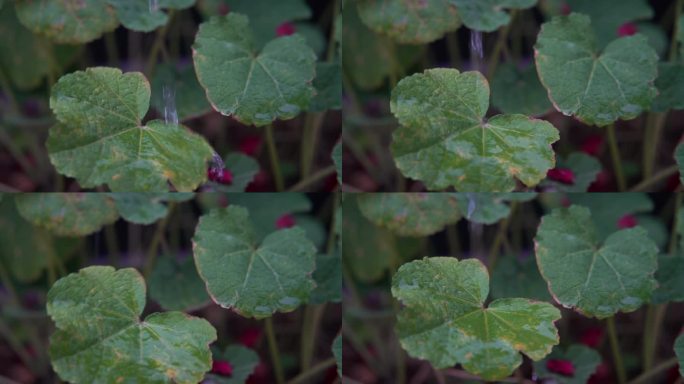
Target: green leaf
<point>242,359</point>
<point>337,159</point>
<point>182,85</point>
<point>670,277</point>
<point>145,208</point>
<point>255,279</point>
<point>488,15</point>
<point>370,58</point>
<point>328,84</point>
<point>489,208</point>
<point>584,359</point>
<point>328,278</point>
<point>516,277</point>
<point>408,22</point>
<point>100,137</point>
<point>67,214</point>
<point>444,319</point>
<point>254,87</point>
<point>266,15</point>
<point>175,284</point>
<point>444,139</point>
<point>67,21</point>
<point>337,352</point>
<point>517,90</point>
<point>410,214</point>
<point>585,168</point>
<point>139,15</point>
<point>100,334</point>
<point>266,208</point>
<point>244,168</point>
<point>597,279</point>
<point>374,248</point>
<point>679,351</point>
<point>670,84</point>
<point>596,87</point>
<point>606,18</point>
<point>607,208</point>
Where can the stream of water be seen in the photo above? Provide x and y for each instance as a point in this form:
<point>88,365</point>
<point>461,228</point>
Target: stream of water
<point>476,52</point>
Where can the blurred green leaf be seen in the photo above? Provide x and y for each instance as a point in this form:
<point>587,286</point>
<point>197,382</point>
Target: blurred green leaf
<point>175,284</point>
<point>488,15</point>
<point>516,90</point>
<point>584,361</point>
<point>181,85</point>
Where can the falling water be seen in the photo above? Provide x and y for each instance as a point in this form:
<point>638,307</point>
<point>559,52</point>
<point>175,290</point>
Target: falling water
<point>474,229</point>
<point>154,5</point>
<point>216,164</point>
<point>476,53</point>
<point>169,97</point>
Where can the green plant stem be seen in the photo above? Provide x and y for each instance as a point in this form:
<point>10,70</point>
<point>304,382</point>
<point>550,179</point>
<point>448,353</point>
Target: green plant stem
<point>112,49</point>
<point>654,128</point>
<point>6,281</point>
<point>615,155</point>
<point>675,30</point>
<point>273,347</point>
<point>17,155</point>
<point>654,319</point>
<point>658,177</point>
<point>7,90</point>
<point>647,377</point>
<point>500,237</point>
<point>312,319</point>
<point>314,178</point>
<point>156,240</point>
<point>157,45</point>
<point>112,245</point>
<point>330,54</point>
<point>275,162</point>
<point>501,40</point>
<point>615,347</point>
<point>309,374</point>
<point>312,125</point>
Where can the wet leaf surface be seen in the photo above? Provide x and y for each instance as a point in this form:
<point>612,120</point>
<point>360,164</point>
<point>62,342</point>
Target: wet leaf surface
<point>516,277</point>
<point>181,85</point>
<point>444,319</point>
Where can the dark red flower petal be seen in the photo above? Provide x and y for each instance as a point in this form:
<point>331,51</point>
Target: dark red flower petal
<point>592,145</point>
<point>601,375</point>
<point>250,145</point>
<point>249,337</point>
<point>223,9</point>
<point>627,221</point>
<point>214,174</point>
<point>285,29</point>
<point>602,182</point>
<point>226,177</point>
<point>565,9</point>
<point>285,221</point>
<point>561,175</point>
<point>591,337</point>
<point>222,368</point>
<point>562,367</point>
<point>627,29</point>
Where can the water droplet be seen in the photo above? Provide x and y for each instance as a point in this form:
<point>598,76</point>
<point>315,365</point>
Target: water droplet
<point>472,205</point>
<point>476,51</point>
<point>289,301</point>
<point>154,6</point>
<point>170,112</point>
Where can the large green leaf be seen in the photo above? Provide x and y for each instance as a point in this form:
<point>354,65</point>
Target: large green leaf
<point>584,360</point>
<point>444,139</point>
<point>67,214</point>
<point>255,279</point>
<point>679,351</point>
<point>584,167</point>
<point>266,208</point>
<point>670,84</point>
<point>373,248</point>
<point>328,84</point>
<point>141,15</point>
<point>175,284</point>
<point>67,21</point>
<point>670,277</point>
<point>515,277</point>
<point>516,90</point>
<point>100,137</point>
<point>607,208</point>
<point>243,361</point>
<point>489,208</point>
<point>328,278</point>
<point>488,15</point>
<point>101,338</point>
<point>597,87</point>
<point>606,18</point>
<point>146,208</point>
<point>370,58</point>
<point>409,21</point>
<point>410,214</point>
<point>596,279</point>
<point>256,87</point>
<point>181,85</point>
<point>444,319</point>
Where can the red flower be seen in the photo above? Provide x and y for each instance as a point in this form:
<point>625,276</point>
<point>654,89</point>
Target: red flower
<point>221,176</point>
<point>627,221</point>
<point>285,29</point>
<point>565,9</point>
<point>562,367</point>
<point>561,175</point>
<point>223,9</point>
<point>222,368</point>
<point>250,145</point>
<point>592,337</point>
<point>285,221</point>
<point>249,337</point>
<point>601,375</point>
<point>627,29</point>
<point>602,182</point>
<point>592,145</point>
